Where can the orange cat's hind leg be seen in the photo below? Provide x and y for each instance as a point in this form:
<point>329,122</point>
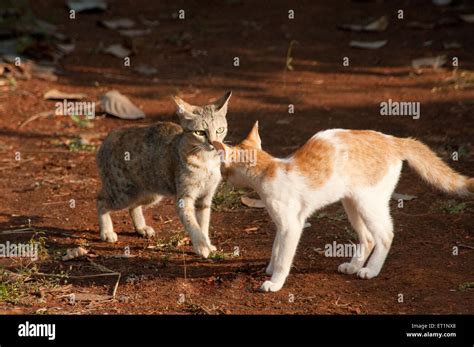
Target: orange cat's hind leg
<point>366,242</point>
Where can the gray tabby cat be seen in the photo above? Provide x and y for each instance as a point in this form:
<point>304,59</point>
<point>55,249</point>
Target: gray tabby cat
<point>140,165</point>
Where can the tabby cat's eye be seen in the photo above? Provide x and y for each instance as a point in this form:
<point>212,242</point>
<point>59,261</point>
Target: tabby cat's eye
<point>220,130</point>
<point>199,132</point>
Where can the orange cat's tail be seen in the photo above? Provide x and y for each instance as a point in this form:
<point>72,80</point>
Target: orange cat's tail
<point>433,170</point>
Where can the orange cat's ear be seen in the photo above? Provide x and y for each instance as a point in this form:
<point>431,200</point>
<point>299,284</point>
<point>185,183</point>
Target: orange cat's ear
<point>254,136</point>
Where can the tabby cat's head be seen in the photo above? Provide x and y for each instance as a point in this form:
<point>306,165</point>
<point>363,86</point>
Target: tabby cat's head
<point>203,125</point>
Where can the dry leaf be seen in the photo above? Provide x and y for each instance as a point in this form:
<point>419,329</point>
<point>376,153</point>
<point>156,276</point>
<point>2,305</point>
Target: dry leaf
<point>90,297</point>
<point>255,203</point>
<point>379,25</point>
<point>120,256</point>
<point>73,253</point>
<point>420,25</point>
<point>86,5</point>
<point>150,23</point>
<point>118,50</point>
<point>9,276</point>
<point>47,73</point>
<point>452,45</point>
<point>118,23</point>
<point>441,2</point>
<point>405,197</point>
<point>55,94</point>
<point>427,43</point>
<point>146,70</point>
<point>184,241</point>
<point>66,48</point>
<point>319,251</point>
<point>120,106</point>
<point>135,32</point>
<point>44,27</point>
<point>249,229</point>
<point>368,44</point>
<point>468,18</point>
<point>434,62</point>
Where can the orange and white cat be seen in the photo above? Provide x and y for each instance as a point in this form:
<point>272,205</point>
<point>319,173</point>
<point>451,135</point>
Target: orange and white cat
<point>358,167</point>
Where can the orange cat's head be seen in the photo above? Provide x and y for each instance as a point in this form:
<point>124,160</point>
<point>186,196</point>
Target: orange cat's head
<point>240,162</point>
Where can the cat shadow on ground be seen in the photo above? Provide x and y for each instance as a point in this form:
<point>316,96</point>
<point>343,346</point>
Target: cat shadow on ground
<point>142,262</point>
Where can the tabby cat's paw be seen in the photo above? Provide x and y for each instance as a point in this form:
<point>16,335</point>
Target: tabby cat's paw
<point>146,231</point>
<point>348,268</point>
<point>269,286</point>
<point>366,273</point>
<point>203,250</point>
<point>109,237</point>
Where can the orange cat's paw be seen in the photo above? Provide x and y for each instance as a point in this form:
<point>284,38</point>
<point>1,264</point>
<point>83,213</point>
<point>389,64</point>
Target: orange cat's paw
<point>366,273</point>
<point>269,286</point>
<point>203,250</point>
<point>347,268</point>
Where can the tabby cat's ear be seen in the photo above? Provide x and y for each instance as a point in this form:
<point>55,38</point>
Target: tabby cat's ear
<point>254,137</point>
<point>185,110</point>
<point>221,104</point>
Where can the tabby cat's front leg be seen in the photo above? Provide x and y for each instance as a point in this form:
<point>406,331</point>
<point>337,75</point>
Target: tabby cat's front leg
<point>187,215</point>
<point>203,215</point>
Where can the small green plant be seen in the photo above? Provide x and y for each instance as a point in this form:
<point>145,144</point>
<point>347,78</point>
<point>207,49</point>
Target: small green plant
<point>466,285</point>
<point>175,241</point>
<point>337,217</point>
<point>351,234</point>
<point>462,151</point>
<point>453,207</point>
<point>82,122</point>
<point>24,285</point>
<point>77,145</point>
<point>227,198</point>
<point>12,82</point>
<point>165,260</point>
<point>289,58</point>
<point>220,255</point>
<point>38,242</point>
<point>9,292</point>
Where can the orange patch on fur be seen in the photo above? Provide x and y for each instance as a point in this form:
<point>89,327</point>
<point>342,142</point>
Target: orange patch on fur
<point>368,155</point>
<point>315,161</point>
<point>265,164</point>
<point>470,185</point>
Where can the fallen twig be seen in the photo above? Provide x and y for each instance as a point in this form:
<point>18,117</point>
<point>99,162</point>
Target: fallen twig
<point>36,116</point>
<point>104,268</point>
<point>74,277</point>
<point>18,231</point>
<point>16,166</point>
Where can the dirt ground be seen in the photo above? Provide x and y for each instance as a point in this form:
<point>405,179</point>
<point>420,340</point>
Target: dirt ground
<point>194,59</point>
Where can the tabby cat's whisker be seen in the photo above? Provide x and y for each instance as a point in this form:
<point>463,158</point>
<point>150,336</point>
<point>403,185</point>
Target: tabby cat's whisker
<point>195,149</point>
